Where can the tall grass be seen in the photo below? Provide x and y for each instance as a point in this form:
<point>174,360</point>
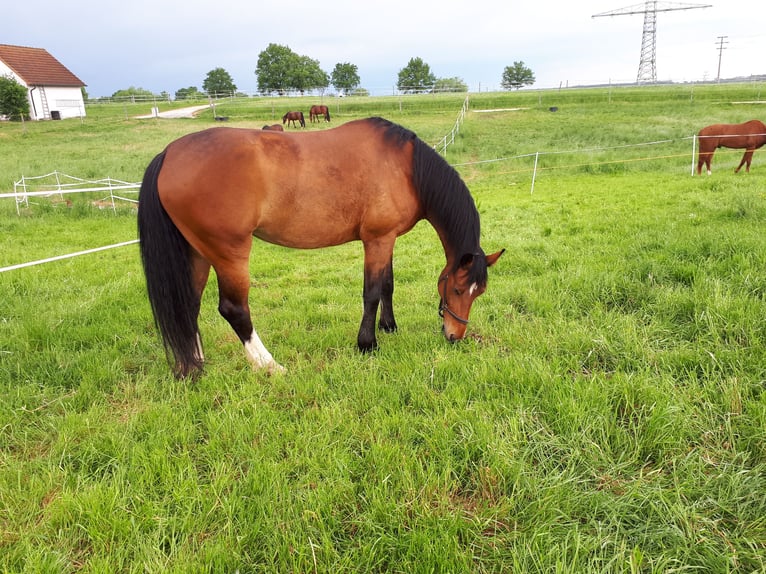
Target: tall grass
<point>607,412</point>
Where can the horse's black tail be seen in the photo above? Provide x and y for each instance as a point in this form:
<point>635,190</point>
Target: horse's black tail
<point>303,121</point>
<point>327,114</point>
<point>165,254</point>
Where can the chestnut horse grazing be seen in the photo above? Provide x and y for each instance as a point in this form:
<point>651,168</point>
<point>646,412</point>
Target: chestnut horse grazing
<point>317,111</point>
<point>294,117</point>
<point>748,136</point>
<point>208,193</point>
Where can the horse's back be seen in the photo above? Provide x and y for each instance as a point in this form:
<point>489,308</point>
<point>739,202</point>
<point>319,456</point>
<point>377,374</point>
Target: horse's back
<point>300,190</point>
<point>750,127</point>
<point>756,127</point>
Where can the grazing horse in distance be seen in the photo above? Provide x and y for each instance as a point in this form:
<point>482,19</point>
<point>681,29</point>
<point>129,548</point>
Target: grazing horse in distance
<point>294,117</point>
<point>274,128</point>
<point>317,110</point>
<point>206,196</point>
<point>748,136</point>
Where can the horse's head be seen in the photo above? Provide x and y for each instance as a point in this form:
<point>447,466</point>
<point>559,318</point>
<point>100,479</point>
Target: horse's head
<point>284,118</point>
<point>458,290</point>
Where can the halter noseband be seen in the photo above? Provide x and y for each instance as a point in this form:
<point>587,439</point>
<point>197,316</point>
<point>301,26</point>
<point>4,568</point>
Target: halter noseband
<point>443,303</point>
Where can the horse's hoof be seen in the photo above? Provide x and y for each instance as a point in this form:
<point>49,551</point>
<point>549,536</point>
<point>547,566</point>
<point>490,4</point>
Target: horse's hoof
<point>274,368</point>
<point>388,328</point>
<point>188,372</point>
<point>367,347</point>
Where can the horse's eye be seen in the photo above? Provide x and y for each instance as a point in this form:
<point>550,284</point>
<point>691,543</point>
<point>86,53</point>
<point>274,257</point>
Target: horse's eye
<point>457,291</point>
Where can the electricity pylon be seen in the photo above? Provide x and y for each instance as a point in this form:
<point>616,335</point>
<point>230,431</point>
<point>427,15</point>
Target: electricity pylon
<point>647,67</point>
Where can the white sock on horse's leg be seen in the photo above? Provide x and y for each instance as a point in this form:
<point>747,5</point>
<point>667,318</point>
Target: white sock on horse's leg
<point>259,355</point>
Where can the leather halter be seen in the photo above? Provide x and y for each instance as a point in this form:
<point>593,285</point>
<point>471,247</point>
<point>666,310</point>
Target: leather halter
<point>443,303</point>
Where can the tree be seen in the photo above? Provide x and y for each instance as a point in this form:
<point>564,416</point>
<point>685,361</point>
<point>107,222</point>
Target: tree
<point>134,93</point>
<point>450,85</point>
<point>190,93</point>
<point>280,69</point>
<point>345,77</point>
<point>275,68</point>
<point>416,76</point>
<point>219,82</point>
<point>13,99</point>
<point>517,76</point>
<point>307,75</point>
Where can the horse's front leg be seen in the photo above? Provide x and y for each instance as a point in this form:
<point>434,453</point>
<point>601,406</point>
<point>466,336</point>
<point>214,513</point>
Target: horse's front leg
<point>378,285</point>
<point>746,159</point>
<point>387,322</point>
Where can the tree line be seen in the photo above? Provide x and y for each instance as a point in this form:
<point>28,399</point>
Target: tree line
<point>280,71</point>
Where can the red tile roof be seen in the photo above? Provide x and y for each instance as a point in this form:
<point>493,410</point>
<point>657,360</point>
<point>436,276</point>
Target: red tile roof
<point>36,67</point>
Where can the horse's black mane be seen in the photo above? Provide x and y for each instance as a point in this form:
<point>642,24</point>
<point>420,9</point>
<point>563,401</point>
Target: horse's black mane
<point>446,200</point>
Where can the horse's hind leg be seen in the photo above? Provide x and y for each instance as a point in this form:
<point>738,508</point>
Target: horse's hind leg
<point>200,274</point>
<point>705,157</point>
<point>233,287</point>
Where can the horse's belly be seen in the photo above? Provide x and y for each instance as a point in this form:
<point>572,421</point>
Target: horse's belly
<point>306,235</point>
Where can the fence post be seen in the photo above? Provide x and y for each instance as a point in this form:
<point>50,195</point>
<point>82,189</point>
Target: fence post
<point>694,149</point>
<point>534,173</point>
<point>58,185</point>
<point>111,194</point>
<point>24,199</point>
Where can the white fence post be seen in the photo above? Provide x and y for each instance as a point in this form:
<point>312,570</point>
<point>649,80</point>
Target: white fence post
<point>534,173</point>
<point>694,149</point>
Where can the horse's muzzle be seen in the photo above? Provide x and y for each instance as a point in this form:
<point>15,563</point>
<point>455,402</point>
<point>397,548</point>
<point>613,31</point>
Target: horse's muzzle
<point>451,337</point>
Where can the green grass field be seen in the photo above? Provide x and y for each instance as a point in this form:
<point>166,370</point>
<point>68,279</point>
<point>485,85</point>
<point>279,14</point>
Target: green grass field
<point>606,413</point>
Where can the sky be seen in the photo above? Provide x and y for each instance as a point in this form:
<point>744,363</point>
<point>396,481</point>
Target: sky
<point>165,45</point>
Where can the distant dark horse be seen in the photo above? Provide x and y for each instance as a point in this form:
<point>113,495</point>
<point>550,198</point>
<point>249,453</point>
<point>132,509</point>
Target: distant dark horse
<point>293,117</point>
<point>316,111</point>
<point>206,196</point>
<point>274,128</point>
<point>748,136</point>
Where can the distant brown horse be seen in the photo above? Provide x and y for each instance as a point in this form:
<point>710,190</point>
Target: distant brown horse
<point>748,136</point>
<point>206,196</point>
<point>316,111</point>
<point>294,117</point>
<point>274,128</point>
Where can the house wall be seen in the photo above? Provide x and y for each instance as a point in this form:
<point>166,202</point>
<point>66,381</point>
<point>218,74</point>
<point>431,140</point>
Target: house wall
<point>66,101</point>
<point>6,71</point>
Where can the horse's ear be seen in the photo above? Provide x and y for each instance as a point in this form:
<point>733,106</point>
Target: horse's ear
<point>492,259</point>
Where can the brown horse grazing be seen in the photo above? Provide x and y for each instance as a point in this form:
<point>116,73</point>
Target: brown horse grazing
<point>274,128</point>
<point>316,111</point>
<point>748,136</point>
<point>294,117</point>
<point>208,193</point>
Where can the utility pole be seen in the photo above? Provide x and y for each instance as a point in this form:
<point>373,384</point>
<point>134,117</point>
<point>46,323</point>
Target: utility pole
<point>721,41</point>
<point>647,68</point>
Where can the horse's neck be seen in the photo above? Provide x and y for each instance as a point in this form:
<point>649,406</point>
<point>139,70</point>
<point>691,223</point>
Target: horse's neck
<point>456,240</point>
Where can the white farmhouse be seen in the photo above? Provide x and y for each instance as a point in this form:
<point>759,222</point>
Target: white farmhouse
<point>54,92</point>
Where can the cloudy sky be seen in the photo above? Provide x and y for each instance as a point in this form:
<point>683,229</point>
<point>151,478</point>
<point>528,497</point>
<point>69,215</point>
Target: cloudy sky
<point>164,45</point>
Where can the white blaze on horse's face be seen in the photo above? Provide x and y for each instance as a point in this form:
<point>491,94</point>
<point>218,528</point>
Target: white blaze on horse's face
<point>457,297</point>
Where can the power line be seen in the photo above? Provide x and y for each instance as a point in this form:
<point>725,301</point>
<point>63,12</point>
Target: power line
<point>647,67</point>
<point>721,41</point>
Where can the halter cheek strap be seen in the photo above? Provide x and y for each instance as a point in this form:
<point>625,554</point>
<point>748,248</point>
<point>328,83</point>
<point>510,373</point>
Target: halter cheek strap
<point>443,303</point>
